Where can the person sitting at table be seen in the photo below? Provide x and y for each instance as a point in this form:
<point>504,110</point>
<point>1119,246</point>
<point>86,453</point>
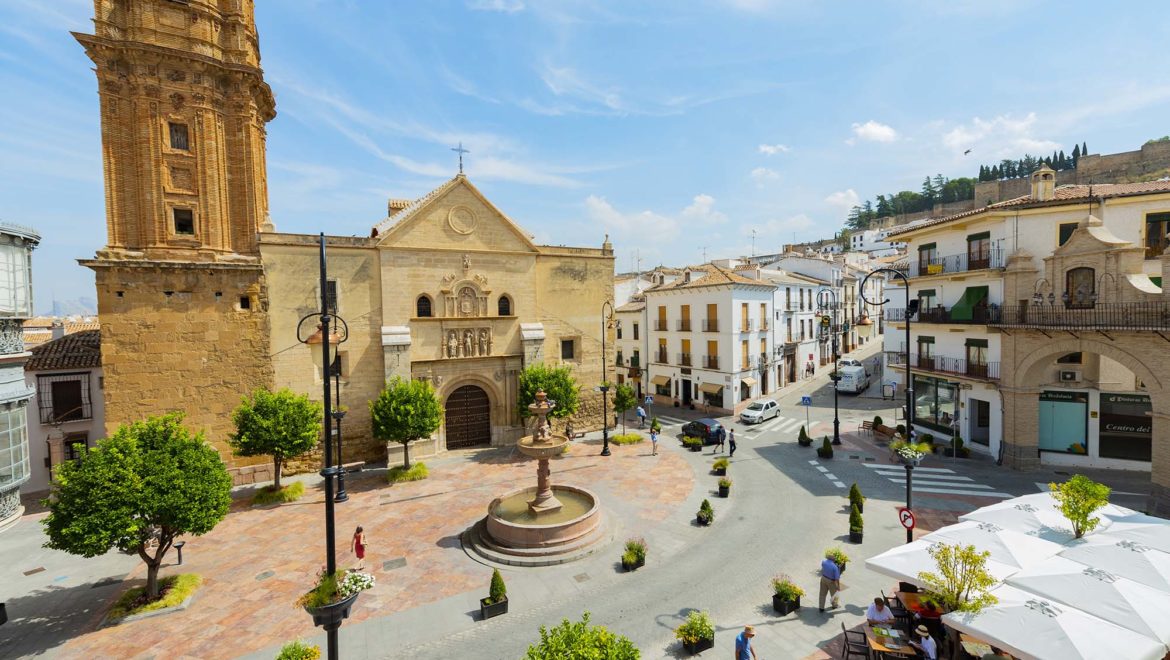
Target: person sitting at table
<point>996,654</point>
<point>926,646</point>
<point>878,614</point>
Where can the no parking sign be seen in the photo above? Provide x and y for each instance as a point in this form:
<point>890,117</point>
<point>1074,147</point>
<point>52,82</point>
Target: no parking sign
<point>906,517</point>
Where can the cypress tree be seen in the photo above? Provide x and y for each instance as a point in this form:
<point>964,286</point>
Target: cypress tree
<point>1076,155</point>
<point>1084,149</point>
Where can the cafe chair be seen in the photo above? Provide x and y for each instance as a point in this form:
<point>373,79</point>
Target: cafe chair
<point>855,643</point>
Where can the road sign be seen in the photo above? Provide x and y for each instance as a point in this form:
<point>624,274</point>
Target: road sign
<point>906,517</point>
<point>806,400</point>
<point>649,401</point>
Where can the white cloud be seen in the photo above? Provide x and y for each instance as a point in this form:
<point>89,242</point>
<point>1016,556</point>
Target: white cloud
<point>844,199</point>
<point>1003,136</point>
<point>762,175</point>
<point>506,6</point>
<point>872,131</point>
<point>773,149</point>
<point>702,212</point>
<point>658,232</point>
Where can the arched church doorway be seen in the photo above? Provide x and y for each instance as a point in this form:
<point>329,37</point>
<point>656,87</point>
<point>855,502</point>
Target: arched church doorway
<point>468,418</point>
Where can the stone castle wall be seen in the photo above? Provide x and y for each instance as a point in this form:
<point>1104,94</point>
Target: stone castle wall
<point>1150,162</point>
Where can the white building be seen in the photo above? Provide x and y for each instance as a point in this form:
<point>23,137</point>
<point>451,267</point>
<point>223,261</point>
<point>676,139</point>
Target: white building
<point>16,304</point>
<point>67,410</point>
<point>795,330</point>
<point>874,243</point>
<point>711,339</point>
<point>633,342</point>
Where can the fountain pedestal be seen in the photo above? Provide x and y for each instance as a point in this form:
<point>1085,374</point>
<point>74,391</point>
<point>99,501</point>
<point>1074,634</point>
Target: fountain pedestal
<point>542,445</point>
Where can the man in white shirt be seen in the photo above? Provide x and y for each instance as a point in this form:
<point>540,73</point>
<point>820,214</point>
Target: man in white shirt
<point>925,644</point>
<point>878,614</point>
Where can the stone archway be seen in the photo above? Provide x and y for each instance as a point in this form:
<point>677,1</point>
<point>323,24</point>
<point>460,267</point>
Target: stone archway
<point>468,418</point>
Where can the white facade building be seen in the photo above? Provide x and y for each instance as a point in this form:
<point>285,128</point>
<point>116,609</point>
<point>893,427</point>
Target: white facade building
<point>16,305</point>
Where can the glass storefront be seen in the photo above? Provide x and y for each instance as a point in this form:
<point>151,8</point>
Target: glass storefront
<point>13,447</point>
<point>1064,422</point>
<point>1126,429</point>
<point>936,402</point>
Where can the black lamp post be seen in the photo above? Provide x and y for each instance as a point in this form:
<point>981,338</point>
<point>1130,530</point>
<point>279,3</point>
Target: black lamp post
<point>338,415</point>
<point>330,331</point>
<point>829,333</point>
<point>911,310</point>
<point>606,319</point>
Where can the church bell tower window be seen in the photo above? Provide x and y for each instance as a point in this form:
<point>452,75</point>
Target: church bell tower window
<point>185,222</point>
<point>179,137</point>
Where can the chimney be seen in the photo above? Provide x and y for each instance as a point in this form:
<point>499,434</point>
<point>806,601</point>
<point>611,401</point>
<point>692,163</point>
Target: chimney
<point>58,329</point>
<point>393,206</point>
<point>1043,184</point>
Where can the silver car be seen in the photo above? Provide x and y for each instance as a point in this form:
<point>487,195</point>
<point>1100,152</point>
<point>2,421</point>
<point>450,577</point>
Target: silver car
<point>759,411</point>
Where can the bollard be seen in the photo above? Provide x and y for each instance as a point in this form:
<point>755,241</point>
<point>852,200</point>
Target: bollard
<point>179,546</point>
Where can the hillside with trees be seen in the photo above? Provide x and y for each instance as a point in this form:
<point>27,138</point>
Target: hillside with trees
<point>1022,167</point>
<point>935,190</point>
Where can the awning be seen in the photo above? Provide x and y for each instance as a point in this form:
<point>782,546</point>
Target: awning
<point>660,380</point>
<point>965,308</point>
<point>710,388</point>
<point>749,381</point>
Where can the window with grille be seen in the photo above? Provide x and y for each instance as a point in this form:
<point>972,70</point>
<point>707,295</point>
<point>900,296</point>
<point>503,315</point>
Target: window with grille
<point>331,296</point>
<point>74,442</point>
<point>423,307</point>
<point>64,398</point>
<point>505,307</point>
<point>179,137</point>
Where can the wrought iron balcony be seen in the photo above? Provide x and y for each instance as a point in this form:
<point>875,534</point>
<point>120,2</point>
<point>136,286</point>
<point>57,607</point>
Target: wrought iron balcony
<point>710,361</point>
<point>684,325</point>
<point>662,357</point>
<point>982,315</point>
<point>764,325</point>
<point>684,359</point>
<point>660,325</point>
<point>957,263</point>
<point>747,325</point>
<point>945,365</point>
<point>710,325</point>
<point>1153,316</point>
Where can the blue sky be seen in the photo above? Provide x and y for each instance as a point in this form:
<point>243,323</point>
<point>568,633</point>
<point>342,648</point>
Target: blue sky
<point>673,126</point>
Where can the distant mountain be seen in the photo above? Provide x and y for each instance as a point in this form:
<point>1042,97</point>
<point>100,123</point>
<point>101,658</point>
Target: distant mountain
<point>76,307</point>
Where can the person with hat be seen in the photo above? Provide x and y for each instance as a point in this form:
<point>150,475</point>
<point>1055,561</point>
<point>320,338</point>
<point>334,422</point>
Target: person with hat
<point>927,648</point>
<point>743,644</point>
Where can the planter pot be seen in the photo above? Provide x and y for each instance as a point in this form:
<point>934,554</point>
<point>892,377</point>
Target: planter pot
<point>487,611</point>
<point>724,491</point>
<point>3,613</point>
<point>855,536</point>
<point>634,566</point>
<point>720,472</point>
<point>330,617</point>
<point>911,462</point>
<point>702,521</point>
<point>842,567</point>
<point>784,607</point>
<point>824,455</point>
<point>696,448</point>
<point>699,646</point>
<point>804,444</point>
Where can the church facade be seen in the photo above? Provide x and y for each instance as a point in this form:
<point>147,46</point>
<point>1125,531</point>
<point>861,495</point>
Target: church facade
<point>200,297</point>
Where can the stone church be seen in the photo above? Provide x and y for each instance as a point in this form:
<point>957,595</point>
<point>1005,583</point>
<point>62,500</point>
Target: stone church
<point>200,297</point>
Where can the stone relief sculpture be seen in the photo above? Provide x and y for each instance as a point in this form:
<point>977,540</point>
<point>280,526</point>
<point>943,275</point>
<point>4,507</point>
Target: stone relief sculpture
<point>467,302</point>
<point>452,345</point>
<point>485,345</point>
<point>468,342</point>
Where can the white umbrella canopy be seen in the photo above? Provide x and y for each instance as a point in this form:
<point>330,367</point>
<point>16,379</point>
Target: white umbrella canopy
<point>1038,515</point>
<point>1147,530</point>
<point>1030,626</point>
<point>1123,557</point>
<point>904,562</point>
<point>1098,592</point>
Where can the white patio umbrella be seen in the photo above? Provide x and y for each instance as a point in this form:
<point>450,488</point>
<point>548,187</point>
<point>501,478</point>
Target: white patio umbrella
<point>1038,515</point>
<point>1031,626</point>
<point>1123,557</point>
<point>1147,530</point>
<point>904,562</point>
<point>1129,604</point>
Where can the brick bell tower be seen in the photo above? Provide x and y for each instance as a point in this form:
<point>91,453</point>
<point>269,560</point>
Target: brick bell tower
<point>180,288</point>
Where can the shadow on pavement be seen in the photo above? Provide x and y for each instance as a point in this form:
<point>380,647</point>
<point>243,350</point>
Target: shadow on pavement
<point>49,617</point>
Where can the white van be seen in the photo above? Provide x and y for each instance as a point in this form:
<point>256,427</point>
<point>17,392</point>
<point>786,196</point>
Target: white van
<point>852,379</point>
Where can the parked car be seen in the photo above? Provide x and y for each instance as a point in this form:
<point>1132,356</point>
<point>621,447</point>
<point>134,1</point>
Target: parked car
<point>706,428</point>
<point>852,379</point>
<point>759,411</point>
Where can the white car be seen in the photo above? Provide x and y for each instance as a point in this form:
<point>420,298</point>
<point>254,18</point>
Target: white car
<point>759,411</point>
<point>851,362</point>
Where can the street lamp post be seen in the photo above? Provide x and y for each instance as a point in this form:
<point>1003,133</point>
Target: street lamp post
<point>331,330</point>
<point>822,301</point>
<point>911,310</point>
<point>606,319</point>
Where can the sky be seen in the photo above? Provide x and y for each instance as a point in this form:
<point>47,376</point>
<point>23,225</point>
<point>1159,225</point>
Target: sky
<point>677,128</point>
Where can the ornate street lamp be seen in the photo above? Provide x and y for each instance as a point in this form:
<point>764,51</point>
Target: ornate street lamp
<point>829,334</point>
<point>606,320</point>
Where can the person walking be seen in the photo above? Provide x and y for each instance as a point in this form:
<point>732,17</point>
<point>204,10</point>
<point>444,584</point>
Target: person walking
<point>830,582</point>
<point>743,644</point>
<point>731,441</point>
<point>720,438</point>
<point>357,545</point>
<point>653,442</point>
<point>641,413</point>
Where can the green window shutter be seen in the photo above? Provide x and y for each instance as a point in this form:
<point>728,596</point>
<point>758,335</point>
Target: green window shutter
<point>977,343</point>
<point>925,340</point>
<point>964,309</point>
<point>978,237</point>
<point>926,246</point>
<point>929,293</point>
<point>1066,231</point>
<point>1156,279</point>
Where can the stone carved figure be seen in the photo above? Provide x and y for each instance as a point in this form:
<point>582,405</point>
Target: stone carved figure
<point>468,343</point>
<point>484,342</point>
<point>466,262</point>
<point>452,345</point>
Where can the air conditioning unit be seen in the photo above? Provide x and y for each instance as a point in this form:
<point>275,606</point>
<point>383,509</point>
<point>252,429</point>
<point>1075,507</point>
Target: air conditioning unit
<point>1069,375</point>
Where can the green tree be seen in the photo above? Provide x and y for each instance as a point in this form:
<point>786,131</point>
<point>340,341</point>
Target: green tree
<point>1076,155</point>
<point>405,411</point>
<point>281,424</point>
<point>962,581</point>
<point>1084,149</point>
<point>1077,499</point>
<point>558,384</point>
<point>624,398</point>
<point>581,641</point>
<point>148,483</point>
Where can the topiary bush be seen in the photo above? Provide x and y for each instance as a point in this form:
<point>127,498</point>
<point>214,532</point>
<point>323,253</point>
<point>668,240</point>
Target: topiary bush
<point>877,420</point>
<point>803,438</point>
<point>855,496</point>
<point>706,514</point>
<point>855,521</point>
<point>498,591</point>
<point>826,448</point>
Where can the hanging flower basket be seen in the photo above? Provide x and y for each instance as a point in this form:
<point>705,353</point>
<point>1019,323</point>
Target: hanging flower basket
<point>330,616</point>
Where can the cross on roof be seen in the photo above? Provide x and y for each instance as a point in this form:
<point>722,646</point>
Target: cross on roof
<point>460,150</point>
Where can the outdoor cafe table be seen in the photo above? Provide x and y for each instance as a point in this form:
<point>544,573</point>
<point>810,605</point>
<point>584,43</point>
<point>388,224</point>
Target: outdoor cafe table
<point>913,602</point>
<point>878,643</point>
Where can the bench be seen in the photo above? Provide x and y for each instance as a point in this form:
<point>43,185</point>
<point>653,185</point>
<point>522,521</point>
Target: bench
<point>355,466</point>
<point>882,432</point>
<point>866,427</point>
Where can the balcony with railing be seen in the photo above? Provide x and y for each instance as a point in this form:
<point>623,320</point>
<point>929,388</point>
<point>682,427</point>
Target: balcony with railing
<point>764,361</point>
<point>764,325</point>
<point>956,263</point>
<point>747,325</point>
<point>660,325</point>
<point>710,325</point>
<point>684,359</point>
<point>1152,316</point>
<point>979,315</point>
<point>710,361</point>
<point>663,357</point>
<point>939,364</point>
<point>684,325</point>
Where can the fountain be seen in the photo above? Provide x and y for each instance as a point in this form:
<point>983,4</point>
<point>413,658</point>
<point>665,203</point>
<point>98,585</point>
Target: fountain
<point>543,525</point>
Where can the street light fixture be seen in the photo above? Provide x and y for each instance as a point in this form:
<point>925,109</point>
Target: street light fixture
<point>829,323</point>
<point>330,331</point>
<point>911,309</point>
<point>606,320</point>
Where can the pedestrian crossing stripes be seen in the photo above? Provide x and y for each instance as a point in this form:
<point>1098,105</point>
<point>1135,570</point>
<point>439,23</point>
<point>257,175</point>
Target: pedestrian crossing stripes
<point>828,475</point>
<point>937,480</point>
<point>778,424</point>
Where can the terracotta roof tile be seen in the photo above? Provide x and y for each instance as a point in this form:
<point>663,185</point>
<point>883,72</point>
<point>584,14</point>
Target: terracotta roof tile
<point>80,350</point>
<point>714,276</point>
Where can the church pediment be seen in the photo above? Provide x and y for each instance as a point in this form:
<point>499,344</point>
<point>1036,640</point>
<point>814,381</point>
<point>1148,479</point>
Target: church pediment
<point>455,216</point>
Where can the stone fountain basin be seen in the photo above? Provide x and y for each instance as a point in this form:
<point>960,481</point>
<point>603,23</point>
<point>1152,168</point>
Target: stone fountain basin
<point>529,535</point>
<point>540,450</point>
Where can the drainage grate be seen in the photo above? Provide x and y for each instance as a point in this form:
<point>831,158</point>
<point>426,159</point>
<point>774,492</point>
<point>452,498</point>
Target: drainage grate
<point>869,459</point>
<point>34,571</point>
<point>854,456</point>
<point>265,575</point>
<point>393,564</point>
<point>581,577</point>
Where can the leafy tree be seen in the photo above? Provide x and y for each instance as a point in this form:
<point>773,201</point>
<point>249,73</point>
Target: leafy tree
<point>962,581</point>
<point>558,384</point>
<point>147,484</point>
<point>581,641</point>
<point>624,398</point>
<point>281,424</point>
<point>1077,499</point>
<point>405,411</point>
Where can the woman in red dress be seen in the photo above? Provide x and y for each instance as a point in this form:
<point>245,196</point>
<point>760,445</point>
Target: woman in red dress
<point>357,545</point>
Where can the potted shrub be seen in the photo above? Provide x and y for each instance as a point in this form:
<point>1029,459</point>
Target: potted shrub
<point>693,443</point>
<point>803,439</point>
<point>877,420</point>
<point>855,498</point>
<point>697,633</point>
<point>497,601</point>
<point>785,595</point>
<point>634,556</point>
<point>826,449</point>
<point>855,524</point>
<point>956,448</point>
<point>838,556</point>
<point>724,487</point>
<point>299,650</point>
<point>719,467</point>
<point>900,430</point>
<point>706,514</point>
<point>330,600</point>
